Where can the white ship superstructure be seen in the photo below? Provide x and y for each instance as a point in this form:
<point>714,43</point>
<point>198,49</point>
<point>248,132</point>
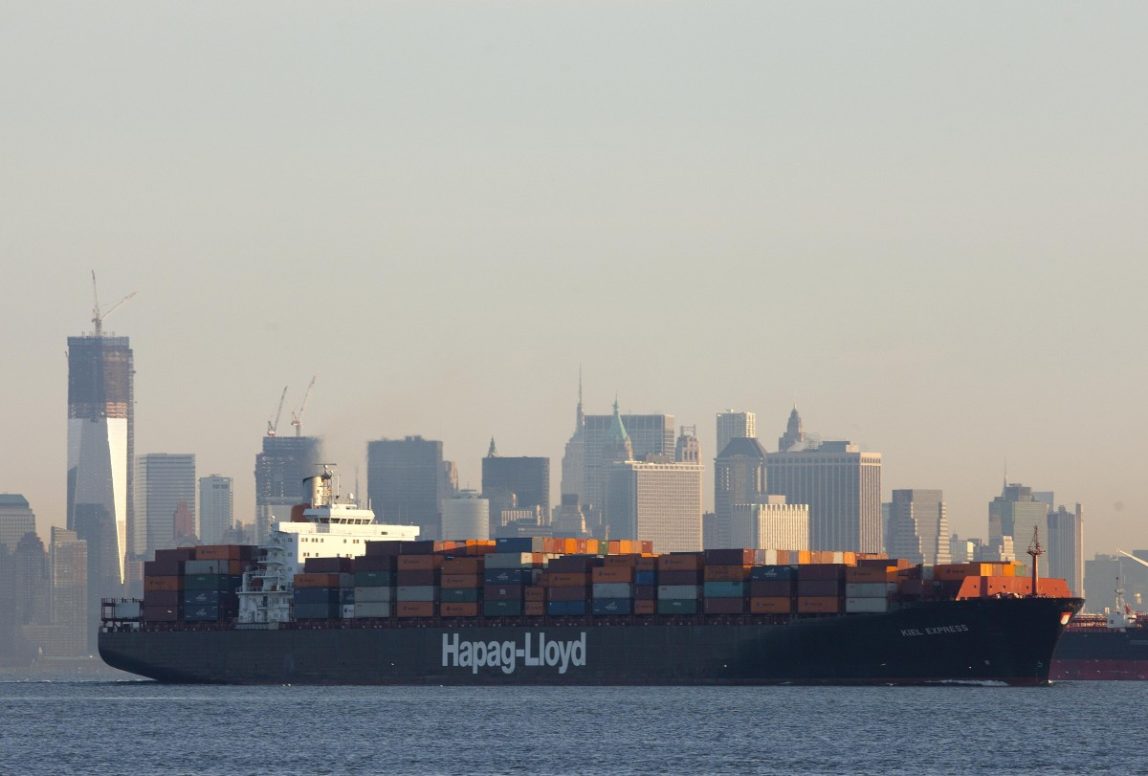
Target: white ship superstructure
<point>325,528</point>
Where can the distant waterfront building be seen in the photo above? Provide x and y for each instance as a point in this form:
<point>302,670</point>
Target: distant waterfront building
<point>216,508</point>
<point>962,550</point>
<point>70,613</point>
<point>101,449</point>
<point>739,478</point>
<point>466,516</point>
<point>16,519</point>
<point>1104,574</point>
<point>1015,513</point>
<point>773,525</point>
<point>280,469</point>
<point>1066,547</point>
<point>919,527</point>
<point>840,483</point>
<point>406,483</point>
<point>30,581</point>
<point>659,502</point>
<point>734,425</point>
<point>710,535</point>
<point>165,486</point>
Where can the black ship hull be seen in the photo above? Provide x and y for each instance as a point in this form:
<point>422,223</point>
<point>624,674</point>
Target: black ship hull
<point>982,640</point>
<point>1102,653</point>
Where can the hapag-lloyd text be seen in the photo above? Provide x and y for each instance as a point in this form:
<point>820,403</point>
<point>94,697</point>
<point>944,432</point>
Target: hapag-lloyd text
<point>506,655</point>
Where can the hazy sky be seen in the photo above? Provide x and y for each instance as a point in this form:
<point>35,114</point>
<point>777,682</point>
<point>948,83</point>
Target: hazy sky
<point>923,222</point>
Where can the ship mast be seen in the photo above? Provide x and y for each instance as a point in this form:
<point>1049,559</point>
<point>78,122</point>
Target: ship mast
<point>1035,551</point>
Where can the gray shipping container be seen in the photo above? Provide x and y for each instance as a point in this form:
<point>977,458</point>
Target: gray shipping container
<point>508,560</point>
<point>869,589</point>
<point>374,595</point>
<point>613,590</point>
<point>416,593</point>
<point>372,609</point>
<point>866,605</point>
<point>192,567</point>
<point>681,592</point>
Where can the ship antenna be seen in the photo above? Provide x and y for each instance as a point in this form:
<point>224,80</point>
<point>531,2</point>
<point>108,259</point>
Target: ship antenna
<point>1035,551</point>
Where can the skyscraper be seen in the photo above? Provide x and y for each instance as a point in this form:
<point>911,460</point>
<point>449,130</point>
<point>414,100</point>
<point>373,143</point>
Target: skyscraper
<point>734,425</point>
<point>840,483</point>
<point>772,525</point>
<point>279,473</point>
<point>688,448</point>
<point>739,478</point>
<point>919,527</point>
<point>1014,514</point>
<point>216,508</point>
<point>574,458</point>
<point>659,502</point>
<point>466,516</point>
<point>520,482</point>
<point>1065,545</point>
<point>16,519</point>
<point>406,483</point>
<point>101,446</point>
<point>70,614</point>
<point>166,490</point>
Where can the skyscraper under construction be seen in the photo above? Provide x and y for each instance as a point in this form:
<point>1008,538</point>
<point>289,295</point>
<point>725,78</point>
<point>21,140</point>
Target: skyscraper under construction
<point>101,446</point>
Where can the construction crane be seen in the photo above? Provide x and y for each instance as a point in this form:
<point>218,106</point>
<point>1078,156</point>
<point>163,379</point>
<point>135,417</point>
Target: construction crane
<point>98,315</point>
<point>1141,561</point>
<point>273,426</point>
<point>297,416</point>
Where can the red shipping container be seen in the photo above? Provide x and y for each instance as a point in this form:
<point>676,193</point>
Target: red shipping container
<point>821,571</point>
<point>415,609</point>
<point>419,562</point>
<point>818,605</point>
<point>461,580</point>
<point>217,552</point>
<point>645,606</point>
<point>414,578</point>
<point>567,594</point>
<point>534,593</point>
<point>534,608</point>
<point>162,583</point>
<point>771,605</point>
<point>459,610</point>
<point>317,580</point>
<point>375,563</point>
<point>566,579</point>
<point>724,606</point>
<point>462,566</point>
<point>725,573</point>
<point>612,574</point>
<point>685,561</point>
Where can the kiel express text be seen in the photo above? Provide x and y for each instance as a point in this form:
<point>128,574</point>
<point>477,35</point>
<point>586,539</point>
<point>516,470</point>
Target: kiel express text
<point>506,655</point>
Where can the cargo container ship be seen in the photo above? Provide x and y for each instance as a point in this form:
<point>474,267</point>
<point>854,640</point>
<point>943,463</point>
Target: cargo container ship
<point>575,611</point>
<point>1109,646</point>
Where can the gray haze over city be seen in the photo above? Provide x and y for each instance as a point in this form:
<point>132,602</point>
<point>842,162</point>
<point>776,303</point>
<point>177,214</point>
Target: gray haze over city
<point>923,224</point>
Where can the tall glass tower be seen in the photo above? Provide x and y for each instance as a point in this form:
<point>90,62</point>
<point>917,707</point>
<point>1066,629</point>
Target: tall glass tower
<point>101,446</point>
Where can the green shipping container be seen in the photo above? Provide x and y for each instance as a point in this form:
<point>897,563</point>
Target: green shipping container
<point>677,606</point>
<point>460,595</point>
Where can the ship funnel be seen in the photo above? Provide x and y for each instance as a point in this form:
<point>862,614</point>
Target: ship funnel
<point>320,488</point>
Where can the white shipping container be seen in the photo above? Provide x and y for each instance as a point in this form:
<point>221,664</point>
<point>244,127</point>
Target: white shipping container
<point>866,605</point>
<point>348,611</point>
<point>372,610</point>
<point>687,592</point>
<point>373,595</point>
<point>127,610</point>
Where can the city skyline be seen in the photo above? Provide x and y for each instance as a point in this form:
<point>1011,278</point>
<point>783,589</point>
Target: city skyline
<point>478,217</point>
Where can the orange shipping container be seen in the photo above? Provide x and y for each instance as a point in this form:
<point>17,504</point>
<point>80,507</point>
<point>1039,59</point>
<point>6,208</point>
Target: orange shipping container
<point>626,561</point>
<point>867,574</point>
<point>419,562</point>
<point>726,573</point>
<point>461,580</point>
<point>462,566</point>
<point>645,606</point>
<point>534,593</point>
<point>534,608</point>
<point>771,605</point>
<point>217,552</point>
<point>162,584</point>
<point>415,609</point>
<point>567,579</point>
<point>612,574</point>
<point>682,562</point>
<point>818,605</point>
<point>457,610</point>
<point>317,580</point>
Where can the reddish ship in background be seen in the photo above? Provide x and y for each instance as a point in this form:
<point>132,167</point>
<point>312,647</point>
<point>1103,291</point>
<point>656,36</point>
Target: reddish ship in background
<point>1109,646</point>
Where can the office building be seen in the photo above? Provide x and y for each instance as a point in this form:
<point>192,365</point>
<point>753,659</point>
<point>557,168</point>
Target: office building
<point>734,425</point>
<point>466,516</point>
<point>101,446</point>
<point>574,458</point>
<point>1065,547</point>
<point>216,508</point>
<point>840,483</point>
<point>280,470</point>
<point>1015,513</point>
<point>688,449</point>
<point>658,502</point>
<point>165,499</point>
<point>16,519</point>
<point>772,525</point>
<point>519,481</point>
<point>919,527</point>
<point>406,483</point>
<point>73,634</point>
<point>739,478</point>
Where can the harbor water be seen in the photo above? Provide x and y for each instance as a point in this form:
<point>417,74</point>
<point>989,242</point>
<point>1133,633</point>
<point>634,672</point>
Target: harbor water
<point>130,727</point>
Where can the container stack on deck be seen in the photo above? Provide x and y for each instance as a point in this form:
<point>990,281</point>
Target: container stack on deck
<point>549,577</point>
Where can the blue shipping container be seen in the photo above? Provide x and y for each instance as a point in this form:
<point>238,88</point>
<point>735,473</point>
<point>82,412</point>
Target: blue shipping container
<point>772,573</point>
<point>565,608</point>
<point>502,608</point>
<point>645,578</point>
<point>604,606</point>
